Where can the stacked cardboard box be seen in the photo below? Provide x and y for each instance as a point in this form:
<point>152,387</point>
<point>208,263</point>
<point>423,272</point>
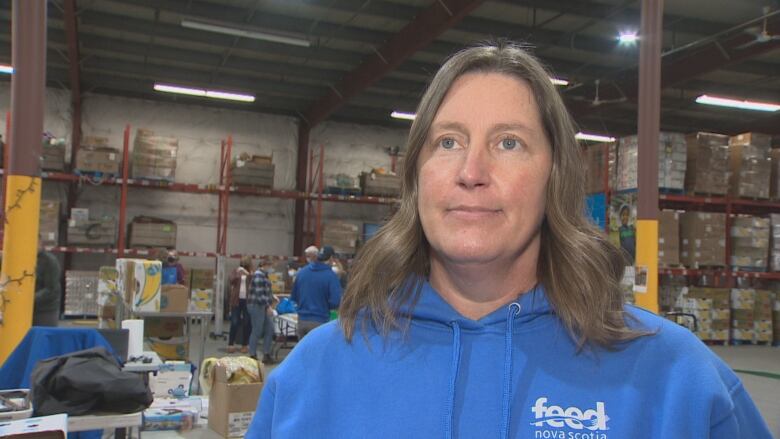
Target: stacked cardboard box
<point>92,232</point>
<point>53,154</point>
<point>154,156</point>
<point>750,165</point>
<point>752,315</point>
<point>108,297</point>
<point>750,243</point>
<point>708,164</point>
<point>597,161</point>
<point>774,251</point>
<point>96,156</point>
<point>711,308</point>
<point>774,174</point>
<point>256,170</point>
<point>342,236</point>
<point>139,282</point>
<point>380,185</point>
<point>166,337</point>
<point>668,238</point>
<point>50,222</point>
<point>671,161</point>
<point>81,293</point>
<point>152,232</point>
<point>174,298</point>
<point>201,290</point>
<point>776,321</point>
<point>702,239</point>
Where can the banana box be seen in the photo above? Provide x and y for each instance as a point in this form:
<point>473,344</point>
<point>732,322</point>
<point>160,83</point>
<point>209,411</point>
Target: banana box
<point>173,348</point>
<point>140,283</point>
<point>202,299</point>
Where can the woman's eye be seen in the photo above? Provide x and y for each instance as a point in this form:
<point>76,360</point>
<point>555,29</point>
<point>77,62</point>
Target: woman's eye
<point>447,143</point>
<point>509,143</point>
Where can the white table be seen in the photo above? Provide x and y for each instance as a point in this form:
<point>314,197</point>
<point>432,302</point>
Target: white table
<point>287,324</point>
<point>204,316</point>
<point>116,421</point>
<point>138,366</point>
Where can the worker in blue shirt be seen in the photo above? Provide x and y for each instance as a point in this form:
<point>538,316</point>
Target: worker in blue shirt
<point>316,291</point>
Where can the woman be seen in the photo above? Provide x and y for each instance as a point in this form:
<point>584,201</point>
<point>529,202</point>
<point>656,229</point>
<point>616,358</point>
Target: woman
<point>240,322</point>
<point>488,306</point>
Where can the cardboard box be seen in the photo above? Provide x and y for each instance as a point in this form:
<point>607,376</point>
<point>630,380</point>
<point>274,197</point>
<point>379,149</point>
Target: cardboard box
<point>174,348</point>
<point>44,427</point>
<point>163,327</point>
<point>172,380</point>
<point>173,414</point>
<point>702,239</point>
<point>108,295</point>
<point>98,159</point>
<point>53,154</point>
<point>256,171</point>
<point>750,168</point>
<point>758,139</point>
<point>93,232</point>
<point>149,232</point>
<point>380,185</point>
<point>707,164</point>
<point>201,278</point>
<point>154,156</point>
<point>668,238</point>
<point>342,236</point>
<point>202,300</point>
<point>139,283</point>
<point>49,224</point>
<point>232,406</point>
<point>174,298</point>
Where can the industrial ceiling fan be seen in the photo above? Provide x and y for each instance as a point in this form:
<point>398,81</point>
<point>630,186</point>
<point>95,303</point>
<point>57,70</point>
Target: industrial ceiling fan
<point>761,36</point>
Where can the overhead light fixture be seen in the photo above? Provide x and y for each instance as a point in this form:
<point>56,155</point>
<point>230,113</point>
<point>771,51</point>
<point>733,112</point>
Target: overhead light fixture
<point>593,137</point>
<point>558,81</point>
<point>628,37</point>
<point>247,33</point>
<point>215,94</point>
<point>402,115</point>
<point>736,103</point>
<point>4,68</point>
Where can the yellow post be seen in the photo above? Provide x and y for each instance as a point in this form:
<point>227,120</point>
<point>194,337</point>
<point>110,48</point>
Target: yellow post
<point>647,264</point>
<point>20,249</point>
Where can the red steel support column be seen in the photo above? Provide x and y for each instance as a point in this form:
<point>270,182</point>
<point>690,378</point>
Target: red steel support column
<point>221,196</point>
<point>120,244</point>
<point>300,185</point>
<point>650,41</point>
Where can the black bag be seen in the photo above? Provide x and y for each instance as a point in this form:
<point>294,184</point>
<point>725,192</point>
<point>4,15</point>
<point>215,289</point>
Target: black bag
<point>86,381</point>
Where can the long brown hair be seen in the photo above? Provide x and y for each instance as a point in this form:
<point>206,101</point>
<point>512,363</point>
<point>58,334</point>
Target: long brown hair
<point>578,267</point>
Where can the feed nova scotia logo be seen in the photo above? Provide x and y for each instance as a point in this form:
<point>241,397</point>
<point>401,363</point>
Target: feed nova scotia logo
<point>556,422</point>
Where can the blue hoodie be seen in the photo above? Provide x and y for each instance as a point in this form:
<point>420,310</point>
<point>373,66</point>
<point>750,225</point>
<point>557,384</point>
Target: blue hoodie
<point>316,291</point>
<point>513,373</point>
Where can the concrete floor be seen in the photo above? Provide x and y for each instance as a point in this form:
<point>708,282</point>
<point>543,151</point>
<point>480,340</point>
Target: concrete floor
<point>765,391</point>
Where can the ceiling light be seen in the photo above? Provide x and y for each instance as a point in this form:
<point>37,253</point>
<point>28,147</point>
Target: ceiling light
<point>4,68</point>
<point>402,115</point>
<point>735,103</point>
<point>254,34</point>
<point>558,81</point>
<point>593,137</point>
<point>215,94</point>
<point>628,37</point>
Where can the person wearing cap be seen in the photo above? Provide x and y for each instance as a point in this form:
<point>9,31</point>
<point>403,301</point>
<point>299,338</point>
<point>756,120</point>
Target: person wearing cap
<point>316,291</point>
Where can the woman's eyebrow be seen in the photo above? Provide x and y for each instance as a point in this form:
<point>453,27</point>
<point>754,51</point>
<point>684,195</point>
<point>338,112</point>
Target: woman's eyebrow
<point>449,125</point>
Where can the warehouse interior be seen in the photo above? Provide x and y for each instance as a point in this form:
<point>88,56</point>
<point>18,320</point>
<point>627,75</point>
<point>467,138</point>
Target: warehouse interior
<point>311,87</point>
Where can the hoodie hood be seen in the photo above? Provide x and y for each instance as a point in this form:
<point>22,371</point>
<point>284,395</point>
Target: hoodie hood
<point>319,266</point>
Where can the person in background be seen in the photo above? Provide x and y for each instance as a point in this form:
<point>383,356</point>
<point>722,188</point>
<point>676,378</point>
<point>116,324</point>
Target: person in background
<point>46,309</point>
<point>316,291</point>
<point>172,261</point>
<point>260,303</point>
<point>311,254</point>
<point>240,324</point>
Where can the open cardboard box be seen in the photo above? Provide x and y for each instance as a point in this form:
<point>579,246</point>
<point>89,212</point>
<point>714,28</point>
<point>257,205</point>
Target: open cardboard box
<point>232,406</point>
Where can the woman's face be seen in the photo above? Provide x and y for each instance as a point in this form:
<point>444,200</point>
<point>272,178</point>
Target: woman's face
<point>483,172</point>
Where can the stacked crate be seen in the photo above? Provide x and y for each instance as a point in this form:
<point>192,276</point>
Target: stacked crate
<point>750,165</point>
<point>255,170</point>
<point>81,293</point>
<point>752,315</point>
<point>202,290</point>
<point>95,156</point>
<point>749,243</point>
<point>154,157</point>
<point>146,231</point>
<point>707,164</point>
<point>672,162</point>
<point>762,315</point>
<point>702,239</point>
<point>711,308</point>
<point>668,238</point>
<point>53,154</point>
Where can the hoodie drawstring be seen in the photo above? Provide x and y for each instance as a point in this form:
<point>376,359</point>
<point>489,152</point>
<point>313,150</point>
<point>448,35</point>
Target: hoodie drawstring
<point>514,309</point>
<point>448,420</point>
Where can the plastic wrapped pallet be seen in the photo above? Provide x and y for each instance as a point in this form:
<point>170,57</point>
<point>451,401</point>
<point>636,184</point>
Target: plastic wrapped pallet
<point>154,157</point>
<point>380,185</point>
<point>707,164</point>
<point>50,222</point>
<point>92,232</point>
<point>750,238</point>
<point>53,154</point>
<point>711,308</point>
<point>152,232</point>
<point>774,250</point>
<point>342,236</point>
<point>776,321</point>
<point>668,238</point>
<point>98,159</point>
<point>81,293</point>
<point>750,165</point>
<point>597,162</point>
<point>256,171</point>
<point>672,161</point>
<point>774,174</point>
<point>702,239</point>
